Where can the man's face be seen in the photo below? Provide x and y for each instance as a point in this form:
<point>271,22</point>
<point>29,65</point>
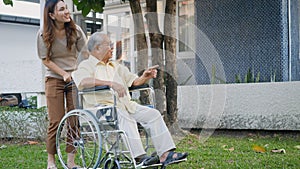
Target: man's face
<point>105,50</point>
<point>108,47</point>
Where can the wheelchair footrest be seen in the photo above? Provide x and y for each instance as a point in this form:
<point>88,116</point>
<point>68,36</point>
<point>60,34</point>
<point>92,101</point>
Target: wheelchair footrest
<point>160,164</point>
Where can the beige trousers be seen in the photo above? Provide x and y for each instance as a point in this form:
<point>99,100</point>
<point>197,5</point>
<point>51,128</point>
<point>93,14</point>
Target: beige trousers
<point>153,122</point>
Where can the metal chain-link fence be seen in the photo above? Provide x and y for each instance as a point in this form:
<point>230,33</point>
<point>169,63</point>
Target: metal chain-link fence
<point>254,41</point>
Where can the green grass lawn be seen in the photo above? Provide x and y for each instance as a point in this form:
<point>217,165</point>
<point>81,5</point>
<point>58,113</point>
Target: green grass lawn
<point>219,151</point>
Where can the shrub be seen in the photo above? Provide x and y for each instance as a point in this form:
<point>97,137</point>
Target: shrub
<point>23,123</point>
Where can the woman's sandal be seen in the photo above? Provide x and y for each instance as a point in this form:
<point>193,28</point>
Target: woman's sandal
<point>171,160</point>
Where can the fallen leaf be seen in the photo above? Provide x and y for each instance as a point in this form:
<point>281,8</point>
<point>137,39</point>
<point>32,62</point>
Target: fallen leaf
<point>278,151</point>
<point>230,161</point>
<point>224,146</point>
<point>297,147</point>
<point>3,147</point>
<point>251,134</point>
<point>231,149</point>
<point>259,149</point>
<point>32,142</point>
<point>227,149</point>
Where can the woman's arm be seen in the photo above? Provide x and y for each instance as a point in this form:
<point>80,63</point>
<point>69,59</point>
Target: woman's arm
<point>52,66</point>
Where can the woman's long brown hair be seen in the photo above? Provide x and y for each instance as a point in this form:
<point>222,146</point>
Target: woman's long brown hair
<point>49,26</point>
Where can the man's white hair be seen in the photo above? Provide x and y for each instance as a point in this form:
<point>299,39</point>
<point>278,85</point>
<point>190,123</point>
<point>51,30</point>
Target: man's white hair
<point>96,39</point>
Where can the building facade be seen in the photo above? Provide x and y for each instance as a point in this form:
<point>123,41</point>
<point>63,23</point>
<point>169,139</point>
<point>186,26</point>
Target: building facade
<point>217,42</point>
<point>21,70</point>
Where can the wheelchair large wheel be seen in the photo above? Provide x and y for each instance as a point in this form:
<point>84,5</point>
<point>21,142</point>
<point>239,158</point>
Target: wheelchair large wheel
<point>112,164</point>
<point>79,133</point>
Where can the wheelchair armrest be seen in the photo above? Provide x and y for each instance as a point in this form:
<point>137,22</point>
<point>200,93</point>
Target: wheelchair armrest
<point>91,90</point>
<point>99,88</point>
<point>96,88</point>
<point>139,87</point>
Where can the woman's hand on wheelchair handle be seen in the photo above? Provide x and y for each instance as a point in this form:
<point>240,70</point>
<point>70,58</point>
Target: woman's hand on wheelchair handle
<point>67,77</point>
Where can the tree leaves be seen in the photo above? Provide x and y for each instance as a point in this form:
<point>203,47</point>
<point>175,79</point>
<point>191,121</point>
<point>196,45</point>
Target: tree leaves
<point>86,6</point>
<point>8,2</point>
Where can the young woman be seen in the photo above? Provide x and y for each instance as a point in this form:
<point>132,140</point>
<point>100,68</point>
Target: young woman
<point>58,44</point>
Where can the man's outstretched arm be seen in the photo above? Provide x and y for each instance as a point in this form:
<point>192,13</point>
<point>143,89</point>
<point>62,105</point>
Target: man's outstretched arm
<point>150,73</point>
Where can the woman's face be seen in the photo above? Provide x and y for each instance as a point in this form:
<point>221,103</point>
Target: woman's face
<point>61,13</point>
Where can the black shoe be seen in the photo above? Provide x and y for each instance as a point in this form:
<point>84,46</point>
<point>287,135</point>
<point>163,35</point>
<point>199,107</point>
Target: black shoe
<point>151,160</point>
<point>147,160</point>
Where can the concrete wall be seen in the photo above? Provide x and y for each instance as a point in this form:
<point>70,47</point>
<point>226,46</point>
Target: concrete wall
<point>269,106</point>
<point>21,69</point>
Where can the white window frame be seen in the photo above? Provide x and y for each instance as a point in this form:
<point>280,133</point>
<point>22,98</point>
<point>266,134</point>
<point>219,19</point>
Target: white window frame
<point>183,54</point>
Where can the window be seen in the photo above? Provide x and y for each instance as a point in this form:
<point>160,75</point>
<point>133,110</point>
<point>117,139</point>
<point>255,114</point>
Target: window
<point>118,28</point>
<point>93,22</point>
<point>185,27</point>
<point>34,1</point>
<point>19,19</point>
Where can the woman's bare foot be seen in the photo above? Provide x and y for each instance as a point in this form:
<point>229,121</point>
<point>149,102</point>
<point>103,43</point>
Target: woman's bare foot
<point>51,166</point>
<point>51,162</point>
<point>71,161</point>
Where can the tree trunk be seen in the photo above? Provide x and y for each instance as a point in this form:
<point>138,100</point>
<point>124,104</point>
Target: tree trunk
<point>171,69</point>
<point>139,36</point>
<point>140,45</point>
<point>156,40</point>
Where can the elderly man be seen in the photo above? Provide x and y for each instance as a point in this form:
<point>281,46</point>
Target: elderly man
<point>99,70</point>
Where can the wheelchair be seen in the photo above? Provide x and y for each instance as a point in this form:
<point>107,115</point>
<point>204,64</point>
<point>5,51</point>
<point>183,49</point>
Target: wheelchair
<point>93,133</point>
